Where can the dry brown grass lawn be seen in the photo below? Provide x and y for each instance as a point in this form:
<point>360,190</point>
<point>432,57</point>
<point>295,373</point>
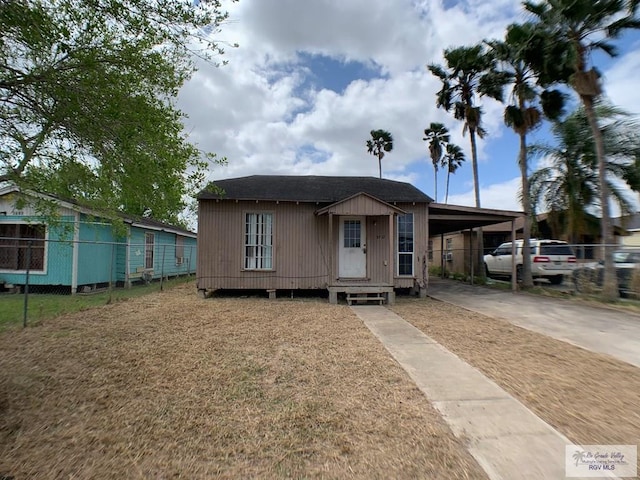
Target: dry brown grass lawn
<point>591,398</point>
<point>173,386</point>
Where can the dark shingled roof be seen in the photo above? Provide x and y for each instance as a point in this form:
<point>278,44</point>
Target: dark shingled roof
<point>313,189</point>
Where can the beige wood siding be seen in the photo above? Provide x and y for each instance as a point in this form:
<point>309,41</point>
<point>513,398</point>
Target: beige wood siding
<point>420,242</point>
<point>379,261</point>
<point>301,253</point>
<point>300,257</point>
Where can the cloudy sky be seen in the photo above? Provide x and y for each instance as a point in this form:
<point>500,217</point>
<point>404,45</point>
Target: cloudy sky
<point>311,78</point>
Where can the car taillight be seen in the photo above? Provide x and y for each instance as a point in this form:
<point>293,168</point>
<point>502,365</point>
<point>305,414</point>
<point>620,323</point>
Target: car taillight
<point>541,259</point>
<point>571,260</point>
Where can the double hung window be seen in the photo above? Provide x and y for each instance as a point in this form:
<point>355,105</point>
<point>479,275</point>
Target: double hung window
<point>258,241</point>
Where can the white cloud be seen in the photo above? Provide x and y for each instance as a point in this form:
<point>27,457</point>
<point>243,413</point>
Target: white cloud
<point>263,114</point>
<point>500,196</point>
<point>621,82</point>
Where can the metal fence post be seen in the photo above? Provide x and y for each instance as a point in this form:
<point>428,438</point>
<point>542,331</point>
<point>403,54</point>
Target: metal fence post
<point>26,285</point>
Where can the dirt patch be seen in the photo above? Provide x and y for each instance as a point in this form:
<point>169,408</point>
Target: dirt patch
<point>173,386</point>
<point>589,397</point>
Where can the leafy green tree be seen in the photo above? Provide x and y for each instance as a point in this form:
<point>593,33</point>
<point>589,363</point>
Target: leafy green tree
<point>525,108</point>
<point>438,137</point>
<point>452,160</point>
<point>569,184</point>
<point>381,141</point>
<point>580,27</point>
<point>87,99</point>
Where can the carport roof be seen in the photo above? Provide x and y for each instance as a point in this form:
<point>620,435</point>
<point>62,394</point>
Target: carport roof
<point>455,218</point>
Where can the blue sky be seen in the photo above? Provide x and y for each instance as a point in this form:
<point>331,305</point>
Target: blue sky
<point>311,79</point>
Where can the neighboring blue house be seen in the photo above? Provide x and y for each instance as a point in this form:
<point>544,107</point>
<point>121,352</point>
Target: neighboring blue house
<point>78,249</point>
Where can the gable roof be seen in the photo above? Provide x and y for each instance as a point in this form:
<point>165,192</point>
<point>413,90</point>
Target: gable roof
<point>368,205</point>
<point>312,188</point>
<point>142,222</point>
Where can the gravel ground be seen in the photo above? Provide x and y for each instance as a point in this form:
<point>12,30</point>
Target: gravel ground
<point>173,386</point>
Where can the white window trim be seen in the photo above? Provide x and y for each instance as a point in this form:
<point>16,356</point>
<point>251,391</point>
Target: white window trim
<point>45,262</point>
<point>244,242</point>
<point>398,252</point>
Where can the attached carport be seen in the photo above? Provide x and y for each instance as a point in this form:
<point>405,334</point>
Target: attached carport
<point>455,218</point>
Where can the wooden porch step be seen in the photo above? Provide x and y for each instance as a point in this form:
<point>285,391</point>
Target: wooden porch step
<point>359,297</point>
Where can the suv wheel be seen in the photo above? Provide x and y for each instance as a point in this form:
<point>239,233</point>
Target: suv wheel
<point>486,271</point>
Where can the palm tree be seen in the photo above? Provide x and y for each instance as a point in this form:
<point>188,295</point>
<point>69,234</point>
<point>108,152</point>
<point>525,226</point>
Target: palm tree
<point>580,27</point>
<point>524,109</point>
<point>438,137</point>
<point>470,72</point>
<point>381,141</point>
<point>570,184</point>
<point>453,158</point>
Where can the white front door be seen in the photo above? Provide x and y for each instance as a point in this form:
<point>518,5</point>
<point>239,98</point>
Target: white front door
<point>352,256</point>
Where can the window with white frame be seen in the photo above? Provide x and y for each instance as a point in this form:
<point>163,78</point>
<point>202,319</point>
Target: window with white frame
<point>149,242</point>
<point>258,241</point>
<point>405,244</point>
<point>21,243</point>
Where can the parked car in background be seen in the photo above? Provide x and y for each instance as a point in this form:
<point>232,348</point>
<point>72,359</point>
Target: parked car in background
<point>550,259</point>
<point>627,263</point>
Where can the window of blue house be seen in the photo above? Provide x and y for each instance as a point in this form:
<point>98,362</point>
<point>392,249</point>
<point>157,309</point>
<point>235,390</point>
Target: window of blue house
<point>405,244</point>
<point>149,241</point>
<point>15,240</point>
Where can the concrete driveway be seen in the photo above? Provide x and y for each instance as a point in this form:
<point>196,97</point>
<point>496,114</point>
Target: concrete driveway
<point>602,330</point>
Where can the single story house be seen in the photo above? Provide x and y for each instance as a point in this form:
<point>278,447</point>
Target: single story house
<point>76,248</point>
<point>351,235</point>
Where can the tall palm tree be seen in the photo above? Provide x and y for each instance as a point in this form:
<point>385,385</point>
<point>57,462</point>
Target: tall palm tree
<point>381,141</point>
<point>453,158</point>
<point>570,183</point>
<point>470,72</point>
<point>580,27</point>
<point>524,110</point>
<point>438,137</point>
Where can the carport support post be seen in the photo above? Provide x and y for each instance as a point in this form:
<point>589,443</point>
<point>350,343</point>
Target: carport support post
<point>471,255</point>
<point>514,280</point>
<point>442,255</point>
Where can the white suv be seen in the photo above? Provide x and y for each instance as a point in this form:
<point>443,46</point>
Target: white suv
<point>550,259</point>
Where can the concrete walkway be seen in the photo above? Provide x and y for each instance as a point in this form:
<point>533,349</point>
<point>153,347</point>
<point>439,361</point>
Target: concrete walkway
<point>508,440</point>
<point>602,330</point>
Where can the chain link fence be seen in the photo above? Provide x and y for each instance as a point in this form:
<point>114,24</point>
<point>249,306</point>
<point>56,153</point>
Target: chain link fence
<point>38,276</point>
